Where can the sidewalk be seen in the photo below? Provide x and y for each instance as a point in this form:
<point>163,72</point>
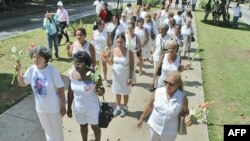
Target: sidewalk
<point>20,123</point>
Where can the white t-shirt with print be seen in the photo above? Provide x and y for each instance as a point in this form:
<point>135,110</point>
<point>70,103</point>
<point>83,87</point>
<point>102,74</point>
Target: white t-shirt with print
<point>44,83</point>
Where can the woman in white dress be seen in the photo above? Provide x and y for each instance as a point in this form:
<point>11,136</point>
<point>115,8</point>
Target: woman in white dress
<point>161,44</point>
<point>114,29</point>
<point>134,44</point>
<point>176,35</point>
<point>187,33</point>
<point>165,106</point>
<point>101,42</point>
<point>144,37</point>
<point>122,60</point>
<point>82,92</point>
<point>152,31</point>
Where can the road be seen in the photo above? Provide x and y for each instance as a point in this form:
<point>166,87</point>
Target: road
<point>15,25</point>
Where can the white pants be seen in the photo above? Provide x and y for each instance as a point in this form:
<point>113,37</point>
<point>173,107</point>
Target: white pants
<point>52,125</point>
<point>156,137</point>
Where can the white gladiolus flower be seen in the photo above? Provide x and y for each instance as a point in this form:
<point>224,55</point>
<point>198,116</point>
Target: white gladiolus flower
<point>13,49</point>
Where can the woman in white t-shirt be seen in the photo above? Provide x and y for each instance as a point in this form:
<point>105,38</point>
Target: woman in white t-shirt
<point>82,92</point>
<point>101,44</point>
<point>48,88</point>
<point>114,29</point>
<point>165,106</point>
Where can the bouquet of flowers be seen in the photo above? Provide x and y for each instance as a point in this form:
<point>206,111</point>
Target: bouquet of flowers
<point>200,115</point>
<point>17,57</point>
<point>104,54</point>
<point>95,76</point>
<point>163,47</point>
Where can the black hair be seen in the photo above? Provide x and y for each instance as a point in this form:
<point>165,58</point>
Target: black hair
<point>42,51</point>
<point>129,4</point>
<point>83,57</point>
<point>140,19</point>
<point>97,23</point>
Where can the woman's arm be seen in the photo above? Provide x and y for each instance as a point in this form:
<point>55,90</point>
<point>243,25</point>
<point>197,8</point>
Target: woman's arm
<point>185,111</point>
<point>70,100</point>
<point>92,54</point>
<point>111,57</point>
<point>158,66</point>
<point>19,75</point>
<point>131,67</point>
<point>147,37</point>
<point>148,109</point>
<point>62,101</point>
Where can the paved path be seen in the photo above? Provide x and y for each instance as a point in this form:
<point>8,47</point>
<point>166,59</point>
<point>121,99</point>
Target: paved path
<point>20,123</point>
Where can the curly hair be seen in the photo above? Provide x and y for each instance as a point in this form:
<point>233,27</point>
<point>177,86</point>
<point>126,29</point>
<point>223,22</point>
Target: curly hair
<point>83,57</point>
<point>42,51</point>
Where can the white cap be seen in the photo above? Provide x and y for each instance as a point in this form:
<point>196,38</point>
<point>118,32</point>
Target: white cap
<point>59,3</point>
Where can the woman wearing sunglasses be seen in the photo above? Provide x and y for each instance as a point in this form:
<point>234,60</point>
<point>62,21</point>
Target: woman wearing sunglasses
<point>166,104</point>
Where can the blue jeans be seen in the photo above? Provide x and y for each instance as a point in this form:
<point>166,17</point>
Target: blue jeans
<point>235,22</point>
<point>53,38</point>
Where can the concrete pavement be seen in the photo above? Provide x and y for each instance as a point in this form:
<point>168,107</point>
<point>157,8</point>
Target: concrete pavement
<point>20,123</point>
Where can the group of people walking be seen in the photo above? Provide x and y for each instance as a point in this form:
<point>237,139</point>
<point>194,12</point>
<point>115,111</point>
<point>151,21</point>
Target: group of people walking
<point>162,39</point>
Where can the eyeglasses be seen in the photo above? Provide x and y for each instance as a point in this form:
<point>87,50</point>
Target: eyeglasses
<point>169,83</point>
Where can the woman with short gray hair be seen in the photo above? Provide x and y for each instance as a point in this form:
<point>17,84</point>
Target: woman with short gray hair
<point>48,89</point>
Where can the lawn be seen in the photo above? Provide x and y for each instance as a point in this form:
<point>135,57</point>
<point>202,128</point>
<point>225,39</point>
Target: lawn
<point>12,94</point>
<point>226,65</point>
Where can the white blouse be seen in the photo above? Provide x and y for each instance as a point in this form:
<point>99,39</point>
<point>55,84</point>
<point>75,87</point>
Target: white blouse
<point>164,117</point>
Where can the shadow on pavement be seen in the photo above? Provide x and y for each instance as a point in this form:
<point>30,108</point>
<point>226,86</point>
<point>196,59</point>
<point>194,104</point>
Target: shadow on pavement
<point>187,93</point>
<point>143,85</point>
<point>192,84</point>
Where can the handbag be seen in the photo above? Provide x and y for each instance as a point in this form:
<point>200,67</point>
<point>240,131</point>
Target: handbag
<point>105,115</point>
<point>182,130</point>
<point>192,38</point>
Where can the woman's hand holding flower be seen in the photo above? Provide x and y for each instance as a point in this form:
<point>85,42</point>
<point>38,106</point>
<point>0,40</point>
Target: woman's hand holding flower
<point>129,81</point>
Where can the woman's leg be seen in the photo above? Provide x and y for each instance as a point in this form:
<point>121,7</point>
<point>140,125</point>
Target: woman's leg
<point>140,65</point>
<point>44,120</point>
<point>105,70</point>
<point>84,132</point>
<point>118,102</point>
<point>97,132</point>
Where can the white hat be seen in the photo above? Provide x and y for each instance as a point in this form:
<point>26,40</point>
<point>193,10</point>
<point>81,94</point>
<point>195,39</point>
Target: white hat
<point>59,3</point>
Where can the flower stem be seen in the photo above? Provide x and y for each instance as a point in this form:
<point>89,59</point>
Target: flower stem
<point>13,78</point>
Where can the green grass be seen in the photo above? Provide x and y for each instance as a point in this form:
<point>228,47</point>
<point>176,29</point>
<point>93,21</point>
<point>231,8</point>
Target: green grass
<point>11,95</point>
<point>226,74</point>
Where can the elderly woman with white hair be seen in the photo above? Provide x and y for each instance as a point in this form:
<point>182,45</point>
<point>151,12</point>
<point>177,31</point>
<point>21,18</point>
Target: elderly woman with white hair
<point>187,33</point>
<point>48,88</point>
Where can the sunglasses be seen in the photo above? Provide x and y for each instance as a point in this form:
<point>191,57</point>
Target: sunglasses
<point>169,83</point>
